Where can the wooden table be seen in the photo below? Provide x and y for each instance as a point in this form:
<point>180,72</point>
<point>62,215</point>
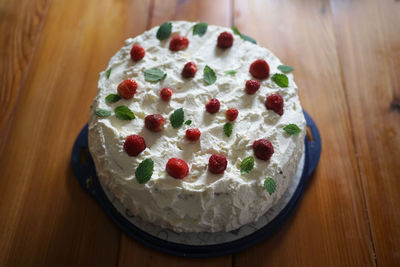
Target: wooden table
<point>346,56</point>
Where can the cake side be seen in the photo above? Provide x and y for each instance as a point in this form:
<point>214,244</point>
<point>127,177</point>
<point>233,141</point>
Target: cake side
<point>202,201</point>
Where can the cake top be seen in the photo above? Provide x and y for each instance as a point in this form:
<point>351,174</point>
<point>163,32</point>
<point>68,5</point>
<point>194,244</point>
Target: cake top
<point>201,94</point>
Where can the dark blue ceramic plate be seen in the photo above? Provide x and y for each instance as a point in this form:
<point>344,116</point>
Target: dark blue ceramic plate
<point>85,172</point>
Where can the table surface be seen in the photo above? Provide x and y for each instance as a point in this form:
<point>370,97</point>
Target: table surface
<point>346,56</point>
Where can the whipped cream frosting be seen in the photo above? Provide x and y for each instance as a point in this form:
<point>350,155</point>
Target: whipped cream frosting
<point>202,201</point>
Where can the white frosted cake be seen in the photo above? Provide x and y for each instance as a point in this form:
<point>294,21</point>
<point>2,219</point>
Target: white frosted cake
<point>195,128</point>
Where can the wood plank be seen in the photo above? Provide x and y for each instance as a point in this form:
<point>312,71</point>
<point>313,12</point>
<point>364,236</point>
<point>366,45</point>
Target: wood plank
<point>46,218</point>
<point>20,27</point>
<point>330,226</point>
<point>213,12</point>
<point>135,254</point>
<point>370,56</point>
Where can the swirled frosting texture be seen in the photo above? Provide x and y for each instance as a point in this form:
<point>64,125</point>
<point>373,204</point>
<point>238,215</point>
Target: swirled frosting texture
<point>202,201</point>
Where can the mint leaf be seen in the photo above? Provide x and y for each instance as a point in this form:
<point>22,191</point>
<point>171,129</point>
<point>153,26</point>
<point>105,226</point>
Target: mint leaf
<point>102,113</point>
<point>112,98</point>
<point>177,118</point>
<point>154,75</point>
<point>144,171</point>
<point>247,165</point>
<point>124,113</point>
<point>230,72</point>
<point>244,37</point>
<point>108,73</point>
<point>270,185</point>
<point>209,76</point>
<point>292,129</point>
<point>281,80</point>
<point>228,129</point>
<point>188,122</point>
<point>236,31</point>
<point>200,29</point>
<point>164,31</point>
<point>249,39</point>
<point>285,69</point>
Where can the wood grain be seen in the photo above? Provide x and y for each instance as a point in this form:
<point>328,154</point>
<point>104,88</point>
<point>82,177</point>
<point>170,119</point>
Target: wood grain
<point>132,253</point>
<point>330,226</point>
<point>346,55</point>
<point>370,57</point>
<point>20,29</point>
<point>48,218</point>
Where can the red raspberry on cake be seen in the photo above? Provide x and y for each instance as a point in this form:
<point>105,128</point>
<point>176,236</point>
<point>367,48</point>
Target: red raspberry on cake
<point>192,134</point>
<point>252,86</point>
<point>154,122</point>
<point>225,40</point>
<point>259,69</point>
<point>178,43</point>
<point>127,88</point>
<point>231,114</point>
<point>213,106</point>
<point>166,94</point>
<point>217,164</point>
<point>177,168</point>
<point>275,102</point>
<point>189,70</point>
<point>137,53</point>
<point>134,144</point>
<point>263,149</point>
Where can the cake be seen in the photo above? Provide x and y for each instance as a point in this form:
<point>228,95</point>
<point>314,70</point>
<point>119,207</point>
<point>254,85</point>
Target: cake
<point>196,128</point>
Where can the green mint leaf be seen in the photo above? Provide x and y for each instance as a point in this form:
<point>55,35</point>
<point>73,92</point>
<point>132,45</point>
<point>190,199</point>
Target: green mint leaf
<point>270,185</point>
<point>177,118</point>
<point>144,171</point>
<point>108,73</point>
<point>102,113</point>
<point>249,39</point>
<point>188,122</point>
<point>164,31</point>
<point>209,76</point>
<point>244,37</point>
<point>230,72</point>
<point>285,69</point>
<point>228,127</point>
<point>236,31</point>
<point>124,113</point>
<point>292,129</point>
<point>200,29</point>
<point>281,80</point>
<point>154,75</point>
<point>112,98</point>
<point>247,165</point>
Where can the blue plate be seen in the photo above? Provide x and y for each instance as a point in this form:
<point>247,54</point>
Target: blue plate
<point>85,173</point>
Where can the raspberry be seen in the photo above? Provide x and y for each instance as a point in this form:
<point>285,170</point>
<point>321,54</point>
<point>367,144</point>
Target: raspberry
<point>178,43</point>
<point>137,53</point>
<point>166,94</point>
<point>127,88</point>
<point>217,164</point>
<point>154,122</point>
<point>231,114</point>
<point>252,86</point>
<point>189,70</point>
<point>225,40</point>
<point>275,102</point>
<point>134,144</point>
<point>259,69</point>
<point>263,149</point>
<point>213,106</point>
<point>193,134</point>
<point>177,168</point>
